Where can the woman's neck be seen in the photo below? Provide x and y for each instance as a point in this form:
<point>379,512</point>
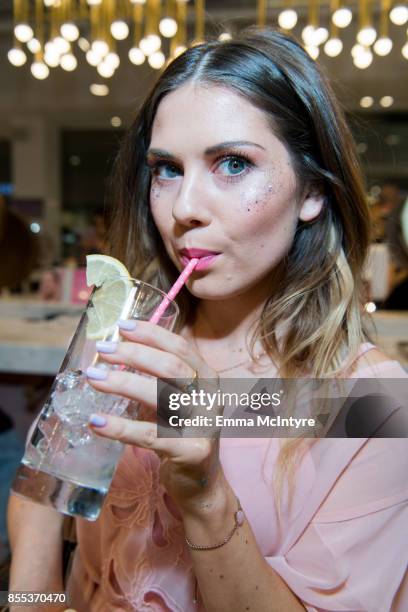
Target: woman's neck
<point>224,321</point>
<point>222,330</point>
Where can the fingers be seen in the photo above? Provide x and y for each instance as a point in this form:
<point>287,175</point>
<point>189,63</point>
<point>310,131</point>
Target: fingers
<point>160,338</point>
<point>140,433</point>
<point>144,434</point>
<point>157,337</point>
<point>129,384</point>
<point>145,358</point>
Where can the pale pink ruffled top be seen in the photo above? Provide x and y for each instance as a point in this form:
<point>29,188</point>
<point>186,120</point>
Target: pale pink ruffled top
<point>343,545</point>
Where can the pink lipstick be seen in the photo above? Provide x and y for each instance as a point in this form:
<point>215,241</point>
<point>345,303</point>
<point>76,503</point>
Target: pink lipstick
<point>205,257</point>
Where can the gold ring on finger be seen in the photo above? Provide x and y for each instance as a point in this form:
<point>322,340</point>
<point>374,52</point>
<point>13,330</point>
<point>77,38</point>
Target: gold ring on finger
<point>192,385</point>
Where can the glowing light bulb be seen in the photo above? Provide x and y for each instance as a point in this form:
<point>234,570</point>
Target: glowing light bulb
<point>383,46</point>
<point>224,36</point>
<point>93,58</point>
<point>23,32</point>
<point>68,62</point>
<point>366,36</point>
<point>98,89</point>
<point>51,48</point>
<point>156,60</point>
<point>136,56</point>
<point>357,50</point>
<point>35,228</point>
<point>399,14</point>
<point>100,47</point>
<point>61,45</point>
<point>404,50</point>
<point>105,70</point>
<point>168,27</point>
<point>312,51</point>
<point>84,44</point>
<point>51,54</point>
<point>112,59</point>
<point>363,59</point>
<point>307,35</point>
<point>16,57</point>
<point>333,47</point>
<point>69,31</point>
<point>39,70</point>
<point>320,35</point>
<point>370,307</point>
<point>34,45</point>
<point>342,17</point>
<point>119,29</point>
<point>287,19</point>
<point>386,101</point>
<point>366,101</point>
<point>52,58</point>
<point>150,44</point>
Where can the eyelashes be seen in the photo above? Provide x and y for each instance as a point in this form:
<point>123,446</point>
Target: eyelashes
<point>156,167</point>
<point>241,158</point>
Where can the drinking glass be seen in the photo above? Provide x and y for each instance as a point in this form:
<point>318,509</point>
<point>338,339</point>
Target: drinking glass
<point>65,464</point>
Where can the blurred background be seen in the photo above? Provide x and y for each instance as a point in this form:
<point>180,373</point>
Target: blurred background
<point>72,75</point>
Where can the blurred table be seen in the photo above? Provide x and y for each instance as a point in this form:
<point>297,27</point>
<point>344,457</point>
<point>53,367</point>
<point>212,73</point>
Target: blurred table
<point>35,335</point>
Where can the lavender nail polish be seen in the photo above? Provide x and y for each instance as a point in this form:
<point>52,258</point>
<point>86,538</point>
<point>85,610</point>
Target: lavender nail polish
<point>127,324</point>
<point>98,421</point>
<point>104,346</point>
<point>96,373</point>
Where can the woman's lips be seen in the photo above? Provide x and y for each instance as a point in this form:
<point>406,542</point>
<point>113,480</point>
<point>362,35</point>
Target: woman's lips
<point>203,262</point>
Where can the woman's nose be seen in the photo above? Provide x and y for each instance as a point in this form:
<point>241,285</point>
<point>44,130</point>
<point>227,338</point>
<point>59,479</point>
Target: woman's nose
<point>190,207</point>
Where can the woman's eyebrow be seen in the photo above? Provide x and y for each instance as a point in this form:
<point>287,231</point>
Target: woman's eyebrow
<point>152,153</point>
<point>209,151</point>
<point>231,143</point>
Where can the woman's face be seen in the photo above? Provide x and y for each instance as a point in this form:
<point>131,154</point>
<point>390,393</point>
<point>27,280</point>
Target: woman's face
<point>222,182</point>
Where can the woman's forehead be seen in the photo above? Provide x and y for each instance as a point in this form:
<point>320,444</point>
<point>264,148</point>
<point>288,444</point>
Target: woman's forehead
<point>210,113</point>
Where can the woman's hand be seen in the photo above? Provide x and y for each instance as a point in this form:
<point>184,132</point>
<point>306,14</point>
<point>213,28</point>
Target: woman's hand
<point>190,469</point>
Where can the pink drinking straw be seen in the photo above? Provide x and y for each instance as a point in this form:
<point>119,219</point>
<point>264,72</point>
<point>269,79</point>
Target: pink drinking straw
<point>182,279</point>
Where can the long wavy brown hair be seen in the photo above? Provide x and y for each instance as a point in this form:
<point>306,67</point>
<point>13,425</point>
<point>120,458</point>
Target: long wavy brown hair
<point>318,288</point>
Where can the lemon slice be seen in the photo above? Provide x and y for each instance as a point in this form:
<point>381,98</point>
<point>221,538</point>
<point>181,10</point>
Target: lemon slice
<point>100,268</point>
<point>109,301</point>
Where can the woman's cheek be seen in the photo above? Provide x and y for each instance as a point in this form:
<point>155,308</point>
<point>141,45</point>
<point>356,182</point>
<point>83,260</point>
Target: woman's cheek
<point>162,193</point>
<point>267,219</point>
<point>255,200</point>
<point>269,193</point>
<point>155,194</point>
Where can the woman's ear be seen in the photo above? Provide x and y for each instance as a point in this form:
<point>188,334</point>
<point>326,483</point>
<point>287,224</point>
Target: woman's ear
<point>312,205</point>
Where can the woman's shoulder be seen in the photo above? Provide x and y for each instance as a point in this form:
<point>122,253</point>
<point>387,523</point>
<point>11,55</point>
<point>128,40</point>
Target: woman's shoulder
<point>372,361</point>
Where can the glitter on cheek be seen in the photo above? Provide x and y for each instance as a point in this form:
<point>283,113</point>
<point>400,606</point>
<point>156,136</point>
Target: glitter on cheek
<point>155,192</point>
<point>259,198</point>
<point>252,198</point>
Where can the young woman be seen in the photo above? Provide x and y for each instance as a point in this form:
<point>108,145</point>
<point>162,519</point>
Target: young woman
<point>240,154</point>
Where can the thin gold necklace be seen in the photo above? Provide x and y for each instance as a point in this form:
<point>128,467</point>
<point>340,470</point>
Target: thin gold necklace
<point>240,363</point>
